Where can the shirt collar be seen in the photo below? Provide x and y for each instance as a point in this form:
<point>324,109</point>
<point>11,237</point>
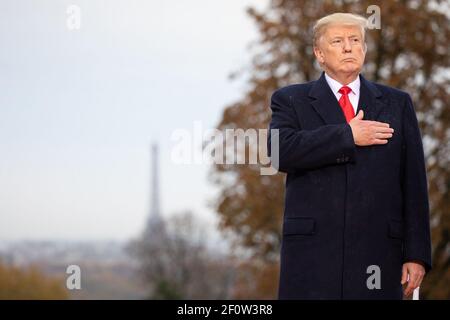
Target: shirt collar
<point>335,85</point>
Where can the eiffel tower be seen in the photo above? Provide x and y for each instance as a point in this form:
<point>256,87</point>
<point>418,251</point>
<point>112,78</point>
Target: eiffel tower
<point>155,229</point>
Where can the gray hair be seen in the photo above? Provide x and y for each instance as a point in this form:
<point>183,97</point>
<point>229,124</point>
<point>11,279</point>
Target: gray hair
<point>349,19</point>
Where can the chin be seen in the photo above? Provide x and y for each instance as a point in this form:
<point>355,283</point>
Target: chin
<point>351,69</point>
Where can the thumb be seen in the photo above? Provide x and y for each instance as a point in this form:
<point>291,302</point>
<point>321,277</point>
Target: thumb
<point>404,274</point>
<point>360,115</point>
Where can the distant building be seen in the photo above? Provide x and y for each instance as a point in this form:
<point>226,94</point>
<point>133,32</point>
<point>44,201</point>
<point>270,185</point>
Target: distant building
<point>155,229</point>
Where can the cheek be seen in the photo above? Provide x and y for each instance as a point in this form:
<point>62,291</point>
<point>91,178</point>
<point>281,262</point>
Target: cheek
<point>361,54</point>
<point>333,58</point>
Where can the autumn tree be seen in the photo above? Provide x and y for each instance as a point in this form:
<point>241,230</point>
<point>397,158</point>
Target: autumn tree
<point>409,51</point>
<point>29,283</point>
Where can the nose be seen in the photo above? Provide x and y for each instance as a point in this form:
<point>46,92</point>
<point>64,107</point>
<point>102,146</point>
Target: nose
<point>347,45</point>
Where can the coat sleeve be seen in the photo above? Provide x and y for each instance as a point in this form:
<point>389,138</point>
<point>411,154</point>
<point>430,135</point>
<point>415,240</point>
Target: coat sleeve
<point>417,246</point>
<point>306,149</point>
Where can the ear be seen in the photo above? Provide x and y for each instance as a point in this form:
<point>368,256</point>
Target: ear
<point>319,54</point>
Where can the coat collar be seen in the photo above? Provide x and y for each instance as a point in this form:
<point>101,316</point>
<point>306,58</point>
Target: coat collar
<point>334,85</point>
<point>327,106</point>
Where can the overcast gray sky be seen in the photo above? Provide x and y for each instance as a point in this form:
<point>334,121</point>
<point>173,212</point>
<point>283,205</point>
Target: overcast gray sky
<point>79,109</point>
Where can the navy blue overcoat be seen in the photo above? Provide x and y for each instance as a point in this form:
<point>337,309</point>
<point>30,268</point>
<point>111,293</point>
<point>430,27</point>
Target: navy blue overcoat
<point>349,210</point>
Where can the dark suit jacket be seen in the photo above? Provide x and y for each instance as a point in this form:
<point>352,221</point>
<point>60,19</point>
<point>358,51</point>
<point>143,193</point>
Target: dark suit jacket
<point>348,207</point>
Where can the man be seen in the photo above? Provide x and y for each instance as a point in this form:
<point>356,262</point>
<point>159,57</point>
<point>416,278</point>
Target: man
<point>356,218</point>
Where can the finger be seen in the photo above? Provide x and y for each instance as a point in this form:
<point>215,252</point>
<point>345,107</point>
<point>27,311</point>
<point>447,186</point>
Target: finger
<point>414,280</point>
<point>383,135</point>
<point>379,141</point>
<point>360,114</point>
<point>418,280</point>
<point>409,289</point>
<point>404,275</point>
<point>383,130</point>
<point>377,123</point>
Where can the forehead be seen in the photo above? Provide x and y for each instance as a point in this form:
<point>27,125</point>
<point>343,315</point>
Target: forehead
<point>342,30</point>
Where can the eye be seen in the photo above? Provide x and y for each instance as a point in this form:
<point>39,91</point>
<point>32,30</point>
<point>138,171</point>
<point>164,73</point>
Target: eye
<point>336,41</point>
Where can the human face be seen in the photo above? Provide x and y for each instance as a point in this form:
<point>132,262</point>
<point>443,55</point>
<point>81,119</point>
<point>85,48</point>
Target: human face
<point>341,52</point>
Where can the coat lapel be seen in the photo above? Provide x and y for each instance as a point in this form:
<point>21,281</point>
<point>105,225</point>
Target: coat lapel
<point>325,103</point>
<point>369,100</point>
<point>327,106</point>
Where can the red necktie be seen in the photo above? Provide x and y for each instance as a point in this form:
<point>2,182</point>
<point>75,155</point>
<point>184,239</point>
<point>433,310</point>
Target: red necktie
<point>345,103</point>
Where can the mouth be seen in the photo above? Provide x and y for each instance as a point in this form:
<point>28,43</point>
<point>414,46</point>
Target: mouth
<point>349,60</point>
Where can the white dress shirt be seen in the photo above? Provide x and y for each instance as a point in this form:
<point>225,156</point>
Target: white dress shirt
<point>353,95</point>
